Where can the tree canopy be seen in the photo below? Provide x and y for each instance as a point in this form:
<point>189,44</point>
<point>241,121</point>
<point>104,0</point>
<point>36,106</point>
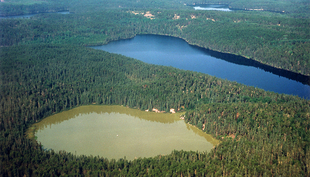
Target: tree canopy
<point>45,68</point>
<point>270,131</point>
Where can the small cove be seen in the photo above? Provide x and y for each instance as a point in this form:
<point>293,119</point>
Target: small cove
<point>118,132</point>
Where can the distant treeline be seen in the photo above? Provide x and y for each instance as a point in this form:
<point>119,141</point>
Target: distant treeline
<point>15,7</point>
<point>272,39</point>
<point>271,130</point>
<point>295,8</point>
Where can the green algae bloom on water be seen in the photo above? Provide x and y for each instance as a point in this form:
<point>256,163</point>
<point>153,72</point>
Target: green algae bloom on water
<point>118,132</point>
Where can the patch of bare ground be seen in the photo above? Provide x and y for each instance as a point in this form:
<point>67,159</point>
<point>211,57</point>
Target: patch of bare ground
<point>211,19</point>
<point>136,13</point>
<point>231,136</point>
<point>155,110</point>
<point>181,27</point>
<point>176,17</point>
<point>147,14</point>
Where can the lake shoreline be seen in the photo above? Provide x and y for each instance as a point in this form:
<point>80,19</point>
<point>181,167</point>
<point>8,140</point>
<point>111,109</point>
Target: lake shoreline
<point>210,49</point>
<point>228,66</point>
<point>31,132</point>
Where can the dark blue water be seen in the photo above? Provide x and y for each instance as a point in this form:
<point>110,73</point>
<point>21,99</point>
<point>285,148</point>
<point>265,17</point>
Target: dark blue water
<point>170,51</point>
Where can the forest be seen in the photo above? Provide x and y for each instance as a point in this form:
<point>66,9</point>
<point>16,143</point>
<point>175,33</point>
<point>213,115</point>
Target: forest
<point>45,69</point>
<point>69,76</point>
<point>277,40</point>
<point>297,8</point>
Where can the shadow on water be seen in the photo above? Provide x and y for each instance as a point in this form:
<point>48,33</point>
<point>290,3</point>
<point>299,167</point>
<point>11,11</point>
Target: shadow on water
<point>226,66</point>
<point>239,60</point>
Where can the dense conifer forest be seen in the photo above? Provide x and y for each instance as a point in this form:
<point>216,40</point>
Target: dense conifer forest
<point>278,40</point>
<point>45,68</point>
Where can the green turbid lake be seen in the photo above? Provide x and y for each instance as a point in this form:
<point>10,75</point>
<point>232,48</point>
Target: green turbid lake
<point>118,132</point>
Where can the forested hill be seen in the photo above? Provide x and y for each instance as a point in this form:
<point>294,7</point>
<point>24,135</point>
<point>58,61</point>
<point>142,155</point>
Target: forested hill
<point>271,130</point>
<point>300,7</point>
<point>272,39</point>
<point>280,40</point>
<point>20,7</point>
<point>296,8</point>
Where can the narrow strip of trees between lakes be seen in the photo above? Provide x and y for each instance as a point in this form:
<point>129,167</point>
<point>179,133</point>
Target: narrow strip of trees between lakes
<point>262,133</point>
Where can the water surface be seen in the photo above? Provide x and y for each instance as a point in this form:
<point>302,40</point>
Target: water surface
<point>118,132</point>
<point>171,51</point>
<point>217,7</point>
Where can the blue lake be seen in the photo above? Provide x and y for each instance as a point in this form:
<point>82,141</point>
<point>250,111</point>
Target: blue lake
<point>175,52</point>
<point>217,7</point>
